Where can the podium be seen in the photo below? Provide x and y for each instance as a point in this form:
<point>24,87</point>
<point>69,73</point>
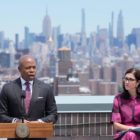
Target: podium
<point>35,130</point>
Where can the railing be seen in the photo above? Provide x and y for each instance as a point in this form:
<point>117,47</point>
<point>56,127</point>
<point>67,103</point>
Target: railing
<point>83,124</point>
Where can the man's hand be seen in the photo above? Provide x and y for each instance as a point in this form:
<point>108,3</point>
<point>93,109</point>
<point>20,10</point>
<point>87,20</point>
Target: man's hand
<point>36,121</point>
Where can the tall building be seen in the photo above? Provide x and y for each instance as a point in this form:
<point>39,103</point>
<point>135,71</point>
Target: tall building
<point>83,31</point>
<point>83,27</point>
<point>64,63</point>
<point>103,41</point>
<point>47,26</point>
<point>111,29</point>
<point>29,38</point>
<point>56,33</point>
<point>4,56</point>
<point>120,28</point>
<point>52,65</point>
<point>107,73</point>
<point>112,24</point>
<point>94,86</point>
<point>26,36</point>
<point>108,88</point>
<point>136,37</point>
<point>1,39</point>
<point>17,41</point>
<point>12,54</point>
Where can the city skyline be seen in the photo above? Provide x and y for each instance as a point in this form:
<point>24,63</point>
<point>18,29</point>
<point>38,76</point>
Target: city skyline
<point>16,15</point>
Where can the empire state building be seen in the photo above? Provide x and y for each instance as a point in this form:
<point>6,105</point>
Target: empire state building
<point>47,27</point>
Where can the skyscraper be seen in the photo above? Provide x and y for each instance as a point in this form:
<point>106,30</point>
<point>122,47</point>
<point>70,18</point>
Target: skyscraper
<point>64,63</point>
<point>83,27</point>
<point>83,30</point>
<point>47,27</point>
<point>2,39</point>
<point>16,41</point>
<point>111,29</point>
<point>120,28</point>
<point>26,36</point>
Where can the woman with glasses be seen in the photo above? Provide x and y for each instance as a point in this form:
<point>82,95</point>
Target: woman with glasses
<point>126,108</point>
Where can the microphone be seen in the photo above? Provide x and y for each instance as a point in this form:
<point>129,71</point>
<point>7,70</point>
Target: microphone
<point>22,103</point>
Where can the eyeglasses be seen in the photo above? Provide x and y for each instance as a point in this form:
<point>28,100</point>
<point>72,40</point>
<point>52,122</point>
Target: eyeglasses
<point>129,79</point>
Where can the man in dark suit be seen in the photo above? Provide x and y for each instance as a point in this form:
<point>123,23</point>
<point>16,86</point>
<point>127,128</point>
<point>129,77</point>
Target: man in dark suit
<point>42,105</point>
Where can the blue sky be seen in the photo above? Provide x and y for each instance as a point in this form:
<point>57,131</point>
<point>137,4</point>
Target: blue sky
<point>16,14</point>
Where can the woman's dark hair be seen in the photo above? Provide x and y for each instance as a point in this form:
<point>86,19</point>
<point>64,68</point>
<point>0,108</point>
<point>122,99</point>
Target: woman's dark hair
<point>136,73</point>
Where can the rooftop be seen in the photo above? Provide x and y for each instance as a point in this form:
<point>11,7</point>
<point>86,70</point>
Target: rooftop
<point>84,103</point>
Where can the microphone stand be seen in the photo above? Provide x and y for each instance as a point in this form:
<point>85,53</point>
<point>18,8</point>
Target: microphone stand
<point>22,102</point>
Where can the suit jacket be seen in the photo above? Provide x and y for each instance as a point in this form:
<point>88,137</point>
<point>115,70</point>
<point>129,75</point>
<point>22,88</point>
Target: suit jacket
<point>42,105</point>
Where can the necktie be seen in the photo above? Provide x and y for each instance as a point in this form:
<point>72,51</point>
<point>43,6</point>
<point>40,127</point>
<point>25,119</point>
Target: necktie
<point>27,97</point>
